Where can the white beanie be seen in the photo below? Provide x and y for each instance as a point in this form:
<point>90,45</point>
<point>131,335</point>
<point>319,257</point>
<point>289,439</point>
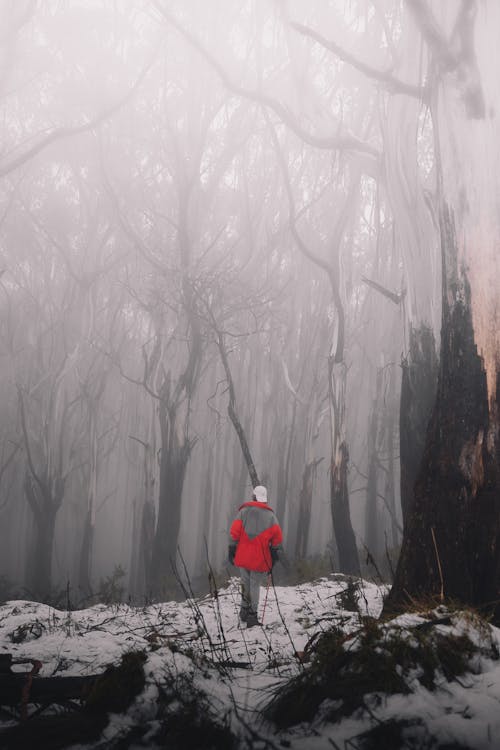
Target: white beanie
<point>260,494</point>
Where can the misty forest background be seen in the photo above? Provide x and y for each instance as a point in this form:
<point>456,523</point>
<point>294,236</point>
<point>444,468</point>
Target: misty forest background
<point>221,245</point>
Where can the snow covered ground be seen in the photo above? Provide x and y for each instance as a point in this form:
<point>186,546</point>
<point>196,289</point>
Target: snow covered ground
<point>239,669</point>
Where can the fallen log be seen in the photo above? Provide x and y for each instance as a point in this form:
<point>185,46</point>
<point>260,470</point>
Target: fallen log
<point>111,691</point>
<point>45,690</point>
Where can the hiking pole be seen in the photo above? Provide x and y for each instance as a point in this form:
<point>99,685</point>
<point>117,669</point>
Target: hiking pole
<point>265,600</point>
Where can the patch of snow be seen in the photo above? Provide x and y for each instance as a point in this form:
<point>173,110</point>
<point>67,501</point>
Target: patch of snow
<point>239,668</point>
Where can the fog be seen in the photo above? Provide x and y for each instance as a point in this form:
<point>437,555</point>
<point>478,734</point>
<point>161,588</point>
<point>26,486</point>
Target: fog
<point>203,205</point>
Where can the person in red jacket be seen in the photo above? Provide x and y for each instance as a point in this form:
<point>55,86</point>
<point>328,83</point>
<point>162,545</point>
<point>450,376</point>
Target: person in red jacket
<point>254,547</point>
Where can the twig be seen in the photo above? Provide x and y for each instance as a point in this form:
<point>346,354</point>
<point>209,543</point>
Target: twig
<point>441,593</point>
<point>252,732</point>
<point>197,613</point>
<point>371,561</point>
<point>283,620</point>
<point>218,614</point>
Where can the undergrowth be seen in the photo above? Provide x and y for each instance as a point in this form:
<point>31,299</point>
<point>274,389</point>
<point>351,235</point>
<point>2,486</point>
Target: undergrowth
<point>399,734</point>
<point>186,717</point>
<point>379,658</point>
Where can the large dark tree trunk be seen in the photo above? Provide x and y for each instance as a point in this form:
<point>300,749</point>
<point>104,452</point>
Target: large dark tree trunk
<point>45,505</point>
<point>451,545</point>
<point>43,547</point>
<point>173,463</point>
<point>341,514</point>
<point>339,491</point>
<point>452,540</point>
<point>418,394</point>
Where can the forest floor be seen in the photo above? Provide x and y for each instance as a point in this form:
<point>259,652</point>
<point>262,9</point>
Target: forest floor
<point>208,682</point>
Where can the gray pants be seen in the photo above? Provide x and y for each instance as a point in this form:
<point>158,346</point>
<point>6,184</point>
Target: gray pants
<point>251,581</point>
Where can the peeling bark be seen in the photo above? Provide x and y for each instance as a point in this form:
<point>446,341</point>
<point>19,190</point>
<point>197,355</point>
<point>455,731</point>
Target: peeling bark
<point>451,545</point>
<point>456,495</point>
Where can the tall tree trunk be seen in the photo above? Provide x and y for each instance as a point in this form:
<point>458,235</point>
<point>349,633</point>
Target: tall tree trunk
<point>40,560</point>
<point>44,492</point>
<point>85,575</point>
<point>452,541</point>
<point>389,488</point>
<point>144,515</point>
<point>339,492</point>
<point>451,545</point>
<point>418,394</point>
<point>373,525</point>
<point>175,455</point>
<point>305,505</point>
<point>148,521</point>
<point>42,554</point>
<point>233,413</point>
<point>207,513</point>
<point>86,555</point>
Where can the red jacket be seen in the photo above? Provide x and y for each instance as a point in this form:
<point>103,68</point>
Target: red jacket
<point>256,530</point>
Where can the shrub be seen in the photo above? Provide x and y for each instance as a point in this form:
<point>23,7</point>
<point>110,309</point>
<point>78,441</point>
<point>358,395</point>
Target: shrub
<point>377,659</point>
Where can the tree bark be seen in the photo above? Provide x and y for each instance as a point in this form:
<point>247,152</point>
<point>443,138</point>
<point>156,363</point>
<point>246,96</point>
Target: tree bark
<point>175,455</point>
<point>45,506</point>
<point>372,532</point>
<point>305,505</point>
<point>418,394</point>
<point>339,500</point>
<point>86,555</point>
<point>451,545</point>
<point>452,539</point>
<point>42,553</point>
<point>233,414</point>
<point>389,487</point>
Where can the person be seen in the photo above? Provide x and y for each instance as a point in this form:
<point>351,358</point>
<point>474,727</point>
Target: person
<point>255,546</point>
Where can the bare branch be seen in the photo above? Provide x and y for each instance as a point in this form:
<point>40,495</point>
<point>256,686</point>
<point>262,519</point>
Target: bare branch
<point>231,410</point>
<point>393,296</point>
<point>14,162</point>
<point>432,33</point>
<point>289,382</point>
<point>145,445</point>
<point>390,82</point>
<point>345,142</point>
<point>327,267</point>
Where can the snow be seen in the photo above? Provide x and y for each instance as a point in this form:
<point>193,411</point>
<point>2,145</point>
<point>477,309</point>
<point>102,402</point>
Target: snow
<point>239,668</point>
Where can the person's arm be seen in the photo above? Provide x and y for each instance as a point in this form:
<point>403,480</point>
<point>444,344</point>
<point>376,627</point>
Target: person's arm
<point>234,533</point>
<point>231,552</point>
<point>275,543</point>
